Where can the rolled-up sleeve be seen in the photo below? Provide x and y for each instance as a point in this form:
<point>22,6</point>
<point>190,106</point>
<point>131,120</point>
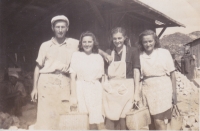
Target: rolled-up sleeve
<point>41,55</point>
<point>135,58</point>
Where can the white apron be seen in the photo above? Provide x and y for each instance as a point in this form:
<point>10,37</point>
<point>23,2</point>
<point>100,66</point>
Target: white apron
<point>119,101</point>
<point>52,89</point>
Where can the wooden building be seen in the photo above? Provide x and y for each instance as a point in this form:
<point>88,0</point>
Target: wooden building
<point>25,24</point>
<point>195,50</point>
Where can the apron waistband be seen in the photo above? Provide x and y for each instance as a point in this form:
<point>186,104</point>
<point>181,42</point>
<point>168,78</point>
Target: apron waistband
<point>147,77</point>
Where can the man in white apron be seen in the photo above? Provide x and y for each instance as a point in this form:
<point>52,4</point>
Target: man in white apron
<point>51,76</point>
<point>51,81</point>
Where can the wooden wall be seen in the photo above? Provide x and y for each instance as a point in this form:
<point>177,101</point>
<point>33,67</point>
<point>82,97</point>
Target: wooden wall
<point>195,50</point>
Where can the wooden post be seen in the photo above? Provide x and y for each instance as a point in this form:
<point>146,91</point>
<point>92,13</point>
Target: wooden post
<point>162,31</point>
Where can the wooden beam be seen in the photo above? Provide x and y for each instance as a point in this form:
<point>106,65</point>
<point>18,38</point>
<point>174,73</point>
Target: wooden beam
<point>118,21</point>
<point>115,2</point>
<point>162,31</point>
<point>163,25</point>
<point>153,16</point>
<point>97,13</point>
<point>140,18</point>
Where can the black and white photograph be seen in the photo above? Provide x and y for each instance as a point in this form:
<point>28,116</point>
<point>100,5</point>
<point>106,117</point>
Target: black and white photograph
<point>99,65</point>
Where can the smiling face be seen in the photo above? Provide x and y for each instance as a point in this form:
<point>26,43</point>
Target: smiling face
<point>60,28</point>
<point>118,39</point>
<point>87,44</point>
<point>148,43</point>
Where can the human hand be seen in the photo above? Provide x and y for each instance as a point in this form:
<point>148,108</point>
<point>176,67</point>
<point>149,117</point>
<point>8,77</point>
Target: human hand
<point>109,58</point>
<point>34,95</point>
<point>73,100</point>
<point>65,69</point>
<point>136,98</point>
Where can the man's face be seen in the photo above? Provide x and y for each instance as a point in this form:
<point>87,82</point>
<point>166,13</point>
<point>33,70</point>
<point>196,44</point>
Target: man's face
<point>60,28</point>
<point>13,80</point>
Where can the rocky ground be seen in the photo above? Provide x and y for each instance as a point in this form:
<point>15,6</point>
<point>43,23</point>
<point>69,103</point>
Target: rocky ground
<point>188,102</point>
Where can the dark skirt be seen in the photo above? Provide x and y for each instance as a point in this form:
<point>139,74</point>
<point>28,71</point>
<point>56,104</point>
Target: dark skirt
<point>164,115</point>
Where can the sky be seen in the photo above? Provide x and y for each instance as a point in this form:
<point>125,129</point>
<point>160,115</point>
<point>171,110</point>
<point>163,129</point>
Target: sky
<point>186,12</point>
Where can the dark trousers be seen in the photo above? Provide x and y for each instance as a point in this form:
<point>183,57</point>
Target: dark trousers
<point>116,125</point>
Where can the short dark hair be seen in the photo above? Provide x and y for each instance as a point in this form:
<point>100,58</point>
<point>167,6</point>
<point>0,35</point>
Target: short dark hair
<point>95,48</point>
<point>145,33</point>
<point>120,30</point>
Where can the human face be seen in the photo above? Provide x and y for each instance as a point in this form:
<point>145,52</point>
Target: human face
<point>118,39</point>
<point>13,80</point>
<point>87,44</point>
<point>60,28</point>
<point>148,43</point>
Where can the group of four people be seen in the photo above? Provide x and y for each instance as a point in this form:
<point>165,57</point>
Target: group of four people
<point>72,70</point>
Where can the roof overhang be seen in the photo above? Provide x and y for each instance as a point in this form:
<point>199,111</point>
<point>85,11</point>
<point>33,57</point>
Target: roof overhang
<point>140,8</point>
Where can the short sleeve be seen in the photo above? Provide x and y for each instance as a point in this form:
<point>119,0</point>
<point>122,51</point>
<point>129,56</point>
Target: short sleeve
<point>41,55</point>
<point>135,58</point>
<point>73,64</point>
<point>169,62</point>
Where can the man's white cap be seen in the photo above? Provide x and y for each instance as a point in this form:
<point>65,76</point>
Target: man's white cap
<point>59,17</point>
<point>13,73</point>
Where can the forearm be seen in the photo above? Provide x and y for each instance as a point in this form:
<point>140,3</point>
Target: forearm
<point>73,84</point>
<point>136,81</point>
<point>173,79</point>
<point>36,76</point>
<point>103,54</point>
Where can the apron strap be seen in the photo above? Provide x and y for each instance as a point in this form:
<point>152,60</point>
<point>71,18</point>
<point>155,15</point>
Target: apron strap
<point>123,54</point>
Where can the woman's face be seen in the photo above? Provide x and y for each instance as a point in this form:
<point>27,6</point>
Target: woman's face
<point>118,39</point>
<point>87,44</point>
<point>148,43</point>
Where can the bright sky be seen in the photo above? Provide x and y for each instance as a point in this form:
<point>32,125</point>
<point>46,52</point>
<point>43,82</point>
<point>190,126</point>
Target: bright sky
<point>186,12</point>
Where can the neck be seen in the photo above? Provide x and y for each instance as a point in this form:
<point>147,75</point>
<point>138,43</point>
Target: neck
<point>88,53</point>
<point>149,52</point>
<point>60,40</point>
<point>119,49</point>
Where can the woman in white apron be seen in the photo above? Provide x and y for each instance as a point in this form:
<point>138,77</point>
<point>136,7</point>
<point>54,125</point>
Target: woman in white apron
<point>118,94</point>
<point>87,68</point>
<point>159,84</point>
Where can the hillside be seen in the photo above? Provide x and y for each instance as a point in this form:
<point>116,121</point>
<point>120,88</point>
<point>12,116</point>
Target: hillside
<point>175,42</point>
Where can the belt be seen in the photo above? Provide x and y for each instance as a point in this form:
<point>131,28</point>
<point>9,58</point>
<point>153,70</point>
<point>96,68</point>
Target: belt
<point>147,77</point>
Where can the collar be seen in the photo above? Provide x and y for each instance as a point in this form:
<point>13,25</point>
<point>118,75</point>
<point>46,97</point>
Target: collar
<point>145,55</point>
<point>127,49</point>
<point>54,41</point>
